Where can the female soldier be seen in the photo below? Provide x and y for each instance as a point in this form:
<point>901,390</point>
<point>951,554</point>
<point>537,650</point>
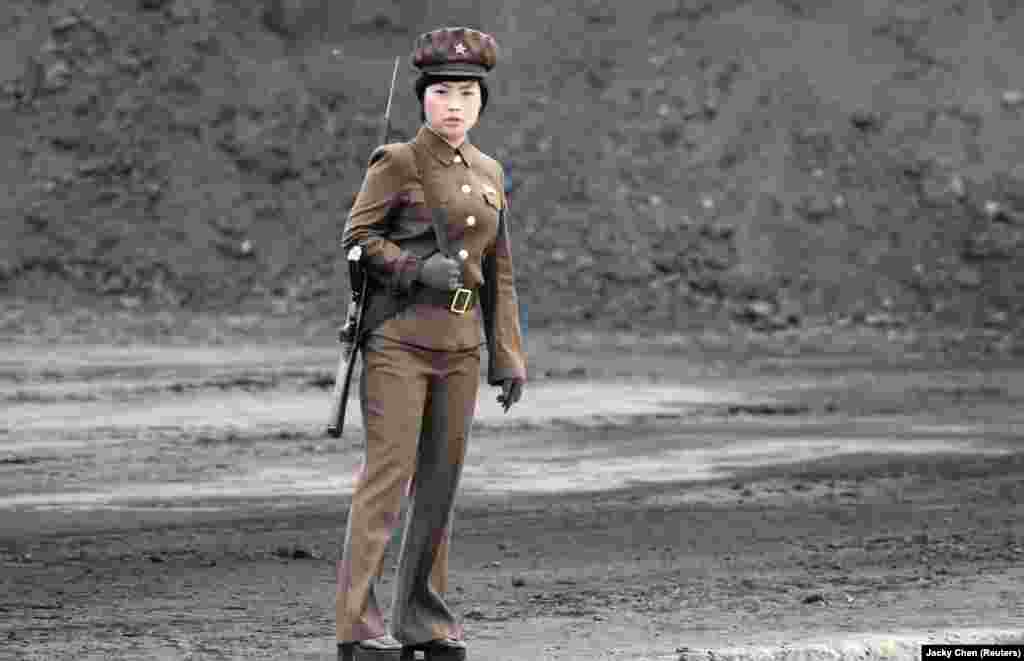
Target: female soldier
<point>430,219</point>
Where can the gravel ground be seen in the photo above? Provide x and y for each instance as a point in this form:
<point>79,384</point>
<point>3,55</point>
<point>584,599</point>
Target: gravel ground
<point>148,511</point>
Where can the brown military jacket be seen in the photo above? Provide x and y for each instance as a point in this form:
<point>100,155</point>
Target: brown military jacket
<point>392,221</point>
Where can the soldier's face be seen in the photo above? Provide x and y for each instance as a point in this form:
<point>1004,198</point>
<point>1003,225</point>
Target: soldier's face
<point>452,108</point>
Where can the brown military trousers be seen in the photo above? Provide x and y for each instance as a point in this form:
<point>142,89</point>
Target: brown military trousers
<point>418,407</point>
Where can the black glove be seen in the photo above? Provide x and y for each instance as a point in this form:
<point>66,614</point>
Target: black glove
<point>441,272</point>
<point>511,392</point>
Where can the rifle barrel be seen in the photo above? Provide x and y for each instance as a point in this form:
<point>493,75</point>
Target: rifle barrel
<point>386,129</point>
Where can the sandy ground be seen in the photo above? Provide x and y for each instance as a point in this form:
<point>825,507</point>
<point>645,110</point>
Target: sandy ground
<point>645,501</point>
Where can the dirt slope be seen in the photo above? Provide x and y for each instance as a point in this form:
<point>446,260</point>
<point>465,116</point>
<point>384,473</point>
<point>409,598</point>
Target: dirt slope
<point>673,162</point>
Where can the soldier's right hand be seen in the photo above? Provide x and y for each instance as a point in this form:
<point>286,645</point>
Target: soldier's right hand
<point>441,272</point>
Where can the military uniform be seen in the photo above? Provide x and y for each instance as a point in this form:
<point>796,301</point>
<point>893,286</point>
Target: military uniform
<point>421,350</point>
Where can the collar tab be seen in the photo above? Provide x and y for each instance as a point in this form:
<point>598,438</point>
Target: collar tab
<point>440,148</point>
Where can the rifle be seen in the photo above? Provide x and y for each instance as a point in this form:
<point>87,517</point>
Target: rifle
<point>350,333</point>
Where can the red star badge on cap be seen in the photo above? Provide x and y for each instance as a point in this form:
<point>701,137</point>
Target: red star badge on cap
<point>460,49</point>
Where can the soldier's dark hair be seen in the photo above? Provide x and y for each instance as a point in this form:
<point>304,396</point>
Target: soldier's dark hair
<point>426,80</point>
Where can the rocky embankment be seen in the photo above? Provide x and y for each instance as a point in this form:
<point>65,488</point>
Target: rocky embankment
<point>766,165</point>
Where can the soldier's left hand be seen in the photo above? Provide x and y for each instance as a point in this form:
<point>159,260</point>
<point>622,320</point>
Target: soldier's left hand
<point>511,392</point>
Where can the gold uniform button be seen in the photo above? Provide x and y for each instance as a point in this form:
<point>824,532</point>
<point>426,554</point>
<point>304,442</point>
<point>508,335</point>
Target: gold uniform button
<point>457,159</point>
<point>466,188</point>
<point>471,221</point>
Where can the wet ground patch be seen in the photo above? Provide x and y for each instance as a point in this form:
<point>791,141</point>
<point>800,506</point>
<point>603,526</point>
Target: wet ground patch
<point>766,409</point>
<point>215,437</point>
<point>19,460</point>
<point>874,465</point>
<point>39,397</point>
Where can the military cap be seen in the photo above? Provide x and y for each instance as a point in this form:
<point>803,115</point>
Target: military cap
<point>455,51</point>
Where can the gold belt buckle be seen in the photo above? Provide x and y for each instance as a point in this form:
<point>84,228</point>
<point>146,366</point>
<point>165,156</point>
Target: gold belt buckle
<point>461,300</point>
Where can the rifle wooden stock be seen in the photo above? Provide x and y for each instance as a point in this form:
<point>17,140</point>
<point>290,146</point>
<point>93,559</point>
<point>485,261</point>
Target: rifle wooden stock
<point>346,364</point>
<point>339,396</point>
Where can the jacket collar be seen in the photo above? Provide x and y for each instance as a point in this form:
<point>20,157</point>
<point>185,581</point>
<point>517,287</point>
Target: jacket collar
<point>441,150</point>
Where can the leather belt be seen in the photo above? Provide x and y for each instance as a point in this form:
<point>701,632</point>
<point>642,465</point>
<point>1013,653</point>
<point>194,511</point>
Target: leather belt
<point>458,301</point>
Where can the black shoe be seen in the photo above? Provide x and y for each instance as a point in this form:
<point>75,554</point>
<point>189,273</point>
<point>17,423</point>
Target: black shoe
<point>384,648</point>
<point>447,649</point>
